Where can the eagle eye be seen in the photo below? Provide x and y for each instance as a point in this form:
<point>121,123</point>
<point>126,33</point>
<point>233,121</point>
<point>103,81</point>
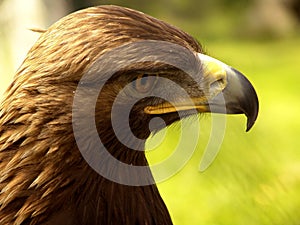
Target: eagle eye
<point>144,83</point>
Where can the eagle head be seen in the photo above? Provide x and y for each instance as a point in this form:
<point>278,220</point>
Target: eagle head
<point>74,121</point>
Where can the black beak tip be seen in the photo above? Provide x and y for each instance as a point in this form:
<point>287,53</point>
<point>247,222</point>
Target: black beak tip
<point>251,120</point>
<point>250,124</point>
<point>249,101</point>
<point>252,111</point>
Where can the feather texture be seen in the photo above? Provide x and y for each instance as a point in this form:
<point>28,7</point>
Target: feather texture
<point>44,179</point>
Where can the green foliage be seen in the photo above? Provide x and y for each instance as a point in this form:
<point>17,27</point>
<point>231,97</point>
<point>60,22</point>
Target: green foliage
<point>255,178</point>
<point>221,18</point>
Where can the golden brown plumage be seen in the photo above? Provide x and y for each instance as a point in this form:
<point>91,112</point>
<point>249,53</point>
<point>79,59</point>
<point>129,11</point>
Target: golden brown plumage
<point>44,179</point>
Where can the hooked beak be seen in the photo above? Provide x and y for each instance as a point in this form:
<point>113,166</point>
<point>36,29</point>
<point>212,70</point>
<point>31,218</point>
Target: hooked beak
<point>226,91</point>
<point>238,96</point>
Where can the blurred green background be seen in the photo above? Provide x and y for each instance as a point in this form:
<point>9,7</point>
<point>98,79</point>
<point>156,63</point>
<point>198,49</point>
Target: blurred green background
<point>255,178</point>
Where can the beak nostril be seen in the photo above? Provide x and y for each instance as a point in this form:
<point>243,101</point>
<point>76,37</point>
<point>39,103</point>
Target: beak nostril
<point>218,84</point>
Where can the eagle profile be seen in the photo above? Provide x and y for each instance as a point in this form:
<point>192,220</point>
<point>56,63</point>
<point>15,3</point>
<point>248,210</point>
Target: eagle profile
<point>44,177</point>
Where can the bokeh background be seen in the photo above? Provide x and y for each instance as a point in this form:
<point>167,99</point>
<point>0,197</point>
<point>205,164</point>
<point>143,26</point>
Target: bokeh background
<point>255,178</point>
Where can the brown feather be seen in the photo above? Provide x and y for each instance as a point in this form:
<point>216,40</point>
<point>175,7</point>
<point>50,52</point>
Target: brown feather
<point>44,179</point>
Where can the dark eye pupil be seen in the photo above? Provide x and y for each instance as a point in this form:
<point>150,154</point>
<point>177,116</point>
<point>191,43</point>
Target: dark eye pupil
<point>144,79</point>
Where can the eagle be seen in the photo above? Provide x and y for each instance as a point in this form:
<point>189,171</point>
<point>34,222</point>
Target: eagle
<point>120,69</point>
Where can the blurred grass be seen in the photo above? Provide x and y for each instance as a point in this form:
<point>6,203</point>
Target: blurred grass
<point>256,176</point>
